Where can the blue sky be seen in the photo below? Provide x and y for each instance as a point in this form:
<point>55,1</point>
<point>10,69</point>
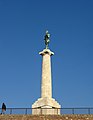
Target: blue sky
<point>22,28</point>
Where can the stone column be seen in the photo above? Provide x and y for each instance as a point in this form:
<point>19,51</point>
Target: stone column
<point>46,104</point>
<point>46,85</point>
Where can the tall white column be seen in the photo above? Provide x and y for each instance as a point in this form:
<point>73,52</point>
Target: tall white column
<point>46,85</point>
<point>46,104</point>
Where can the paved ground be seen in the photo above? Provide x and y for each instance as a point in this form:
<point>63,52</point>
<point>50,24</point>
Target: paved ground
<point>48,117</point>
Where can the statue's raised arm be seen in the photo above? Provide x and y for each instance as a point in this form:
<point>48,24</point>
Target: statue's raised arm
<point>47,36</point>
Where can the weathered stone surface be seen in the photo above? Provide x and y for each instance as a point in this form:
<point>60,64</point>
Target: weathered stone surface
<point>46,117</point>
<point>46,85</point>
<point>48,106</point>
<point>46,100</point>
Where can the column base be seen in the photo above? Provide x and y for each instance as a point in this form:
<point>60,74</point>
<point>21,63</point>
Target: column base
<point>46,106</point>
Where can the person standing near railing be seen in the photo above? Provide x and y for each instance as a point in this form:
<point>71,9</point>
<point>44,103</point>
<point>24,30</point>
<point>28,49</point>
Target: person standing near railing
<point>3,108</point>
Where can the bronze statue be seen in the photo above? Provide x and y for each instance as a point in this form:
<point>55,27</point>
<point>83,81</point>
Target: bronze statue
<point>47,36</point>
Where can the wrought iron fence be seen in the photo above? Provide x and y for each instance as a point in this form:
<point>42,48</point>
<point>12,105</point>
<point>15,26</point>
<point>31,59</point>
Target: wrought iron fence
<point>62,110</point>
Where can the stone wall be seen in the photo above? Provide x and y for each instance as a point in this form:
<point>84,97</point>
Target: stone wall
<point>47,117</point>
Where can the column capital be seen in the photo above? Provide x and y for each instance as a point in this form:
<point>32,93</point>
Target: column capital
<point>46,51</point>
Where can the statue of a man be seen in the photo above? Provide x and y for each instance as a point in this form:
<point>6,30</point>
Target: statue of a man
<point>47,36</point>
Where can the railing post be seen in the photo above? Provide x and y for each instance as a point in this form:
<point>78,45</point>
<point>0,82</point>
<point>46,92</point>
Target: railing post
<point>10,110</point>
<point>57,111</point>
<point>72,110</point>
<point>88,110</point>
<point>26,111</point>
<point>41,111</point>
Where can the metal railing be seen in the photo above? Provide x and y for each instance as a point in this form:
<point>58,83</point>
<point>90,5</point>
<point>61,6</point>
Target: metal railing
<point>62,110</point>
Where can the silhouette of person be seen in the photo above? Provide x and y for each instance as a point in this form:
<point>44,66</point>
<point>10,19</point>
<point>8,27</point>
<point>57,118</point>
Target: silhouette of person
<point>3,108</point>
